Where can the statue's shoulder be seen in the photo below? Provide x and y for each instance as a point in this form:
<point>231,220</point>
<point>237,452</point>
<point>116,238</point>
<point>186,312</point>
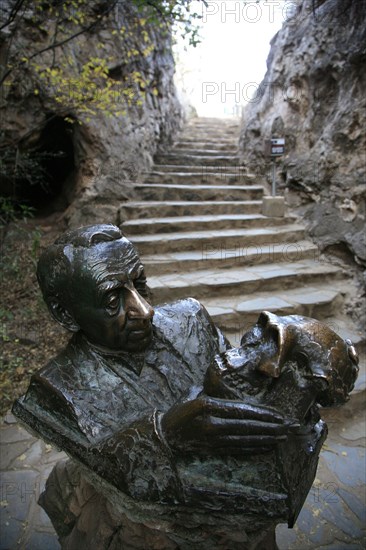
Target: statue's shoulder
<point>187,323</point>
<point>179,312</point>
<point>64,367</point>
<point>185,305</point>
<point>50,388</point>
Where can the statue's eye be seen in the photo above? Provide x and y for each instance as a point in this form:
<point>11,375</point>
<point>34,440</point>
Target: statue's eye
<point>112,301</point>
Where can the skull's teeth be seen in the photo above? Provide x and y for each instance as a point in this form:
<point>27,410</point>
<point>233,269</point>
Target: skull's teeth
<point>221,362</point>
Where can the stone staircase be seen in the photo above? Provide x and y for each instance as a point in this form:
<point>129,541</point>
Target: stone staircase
<point>200,232</point>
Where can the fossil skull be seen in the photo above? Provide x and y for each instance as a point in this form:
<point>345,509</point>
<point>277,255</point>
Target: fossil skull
<point>316,349</point>
<point>278,344</point>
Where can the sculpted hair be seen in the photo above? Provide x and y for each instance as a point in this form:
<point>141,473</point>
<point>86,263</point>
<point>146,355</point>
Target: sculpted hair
<point>55,267</point>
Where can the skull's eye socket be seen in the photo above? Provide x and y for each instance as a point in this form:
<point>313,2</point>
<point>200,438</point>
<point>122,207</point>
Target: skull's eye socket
<point>302,361</point>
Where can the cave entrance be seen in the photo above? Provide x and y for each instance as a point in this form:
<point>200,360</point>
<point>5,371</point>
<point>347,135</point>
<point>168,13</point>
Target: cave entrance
<point>47,176</point>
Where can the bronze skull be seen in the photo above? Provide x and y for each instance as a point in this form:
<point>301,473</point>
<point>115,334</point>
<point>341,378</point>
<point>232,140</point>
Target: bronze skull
<point>290,362</point>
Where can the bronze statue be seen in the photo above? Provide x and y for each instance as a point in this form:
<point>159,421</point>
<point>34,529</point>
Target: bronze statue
<point>156,403</point>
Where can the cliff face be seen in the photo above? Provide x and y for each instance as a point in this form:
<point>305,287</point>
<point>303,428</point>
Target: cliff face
<point>313,95</point>
<point>99,158</point>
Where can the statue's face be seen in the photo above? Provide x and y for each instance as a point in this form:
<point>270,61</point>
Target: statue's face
<point>109,293</point>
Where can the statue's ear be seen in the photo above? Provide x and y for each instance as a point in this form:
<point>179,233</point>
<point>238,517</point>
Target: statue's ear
<point>63,317</point>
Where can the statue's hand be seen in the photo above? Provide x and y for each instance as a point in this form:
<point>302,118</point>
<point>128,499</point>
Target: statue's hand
<point>222,426</point>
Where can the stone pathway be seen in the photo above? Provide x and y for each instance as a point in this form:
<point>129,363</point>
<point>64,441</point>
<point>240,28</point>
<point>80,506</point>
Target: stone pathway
<point>333,517</point>
<point>25,464</point>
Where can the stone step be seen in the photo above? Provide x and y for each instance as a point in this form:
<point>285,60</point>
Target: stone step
<point>220,257</point>
<point>239,313</point>
<point>212,151</point>
<point>204,169</point>
<point>241,281</point>
<point>214,124</point>
<point>213,127</point>
<point>146,209</point>
<point>196,159</point>
<point>227,239</point>
<point>197,177</point>
<point>194,151</point>
<point>165,192</point>
<point>202,136</point>
<point>226,146</point>
<point>222,141</point>
<point>200,223</point>
<point>219,121</point>
<point>212,130</point>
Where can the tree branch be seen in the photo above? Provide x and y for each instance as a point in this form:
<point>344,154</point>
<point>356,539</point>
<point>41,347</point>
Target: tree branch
<point>14,11</point>
<point>61,42</point>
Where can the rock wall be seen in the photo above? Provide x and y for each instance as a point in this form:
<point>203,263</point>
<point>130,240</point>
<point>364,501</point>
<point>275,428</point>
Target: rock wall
<point>106,154</point>
<point>313,94</point>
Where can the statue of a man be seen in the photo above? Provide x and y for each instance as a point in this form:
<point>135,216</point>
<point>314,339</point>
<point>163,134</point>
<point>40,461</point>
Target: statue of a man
<point>220,444</point>
<point>124,396</point>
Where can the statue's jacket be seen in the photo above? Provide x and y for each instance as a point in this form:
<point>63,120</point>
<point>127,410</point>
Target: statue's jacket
<point>105,409</point>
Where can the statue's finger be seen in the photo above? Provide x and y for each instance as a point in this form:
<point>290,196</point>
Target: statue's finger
<point>237,409</point>
<point>212,425</point>
<point>243,443</point>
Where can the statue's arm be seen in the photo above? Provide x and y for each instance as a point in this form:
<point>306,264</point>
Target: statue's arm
<point>138,461</point>
<point>135,459</point>
<point>142,459</point>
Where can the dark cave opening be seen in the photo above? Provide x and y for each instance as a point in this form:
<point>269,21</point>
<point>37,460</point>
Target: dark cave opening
<point>47,172</point>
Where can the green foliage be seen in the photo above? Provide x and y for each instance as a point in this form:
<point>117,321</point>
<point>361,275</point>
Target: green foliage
<point>175,14</point>
<point>10,211</point>
<point>39,51</point>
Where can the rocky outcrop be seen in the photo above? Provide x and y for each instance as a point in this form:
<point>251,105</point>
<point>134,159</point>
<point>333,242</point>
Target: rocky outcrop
<point>103,155</point>
<point>313,94</point>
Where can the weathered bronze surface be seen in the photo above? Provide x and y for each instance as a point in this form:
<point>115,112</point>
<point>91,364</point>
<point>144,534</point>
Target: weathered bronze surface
<point>156,403</point>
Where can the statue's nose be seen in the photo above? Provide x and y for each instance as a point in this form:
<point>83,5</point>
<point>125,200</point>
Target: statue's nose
<point>136,306</point>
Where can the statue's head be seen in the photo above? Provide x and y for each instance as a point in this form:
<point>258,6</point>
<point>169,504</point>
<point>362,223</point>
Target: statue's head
<point>93,281</point>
